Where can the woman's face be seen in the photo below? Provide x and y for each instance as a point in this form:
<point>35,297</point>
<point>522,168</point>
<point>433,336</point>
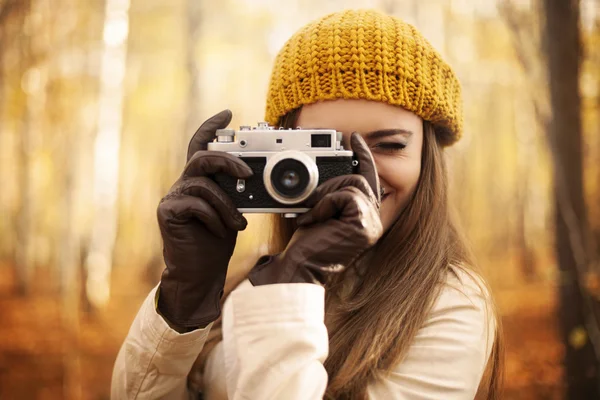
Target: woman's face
<point>394,135</point>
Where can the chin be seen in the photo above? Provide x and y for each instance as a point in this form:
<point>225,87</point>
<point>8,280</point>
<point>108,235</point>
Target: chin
<point>386,220</point>
<point>388,213</point>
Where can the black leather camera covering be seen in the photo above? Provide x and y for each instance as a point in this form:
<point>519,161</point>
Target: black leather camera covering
<point>329,167</point>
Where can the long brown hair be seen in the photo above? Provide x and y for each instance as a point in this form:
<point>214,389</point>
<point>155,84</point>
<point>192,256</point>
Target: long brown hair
<point>394,295</point>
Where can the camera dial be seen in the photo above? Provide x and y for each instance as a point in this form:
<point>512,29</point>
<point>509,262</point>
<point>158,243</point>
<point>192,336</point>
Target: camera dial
<point>225,135</point>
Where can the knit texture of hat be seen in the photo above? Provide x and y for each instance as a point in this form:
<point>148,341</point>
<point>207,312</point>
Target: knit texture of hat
<point>364,54</point>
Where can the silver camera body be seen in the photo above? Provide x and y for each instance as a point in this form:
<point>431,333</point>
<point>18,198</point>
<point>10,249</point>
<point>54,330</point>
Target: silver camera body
<point>288,166</point>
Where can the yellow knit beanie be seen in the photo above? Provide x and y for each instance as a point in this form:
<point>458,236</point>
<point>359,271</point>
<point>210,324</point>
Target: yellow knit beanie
<point>364,54</point>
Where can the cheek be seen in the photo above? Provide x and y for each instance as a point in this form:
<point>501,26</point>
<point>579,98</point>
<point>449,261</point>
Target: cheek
<point>402,177</point>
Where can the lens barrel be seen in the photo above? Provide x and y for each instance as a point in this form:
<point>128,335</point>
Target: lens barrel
<point>290,177</point>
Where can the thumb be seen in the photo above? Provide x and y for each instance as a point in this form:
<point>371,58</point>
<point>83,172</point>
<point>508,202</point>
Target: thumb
<point>206,133</point>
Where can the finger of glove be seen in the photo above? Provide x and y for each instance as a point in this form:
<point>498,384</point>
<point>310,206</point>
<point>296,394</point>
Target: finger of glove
<point>205,163</point>
<point>366,163</point>
<point>342,203</point>
<point>340,182</point>
<point>184,208</point>
<point>206,189</point>
<point>206,133</point>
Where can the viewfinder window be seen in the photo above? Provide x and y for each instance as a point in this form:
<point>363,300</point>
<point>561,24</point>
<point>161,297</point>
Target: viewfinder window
<point>320,140</point>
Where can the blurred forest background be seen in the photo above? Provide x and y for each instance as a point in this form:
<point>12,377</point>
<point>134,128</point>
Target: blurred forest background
<point>98,99</point>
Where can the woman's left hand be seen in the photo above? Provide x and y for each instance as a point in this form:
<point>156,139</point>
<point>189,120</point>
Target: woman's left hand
<point>342,223</point>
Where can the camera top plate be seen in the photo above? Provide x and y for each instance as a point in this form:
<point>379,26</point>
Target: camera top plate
<point>265,139</point>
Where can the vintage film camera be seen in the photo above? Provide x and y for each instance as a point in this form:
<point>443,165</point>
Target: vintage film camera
<point>288,165</point>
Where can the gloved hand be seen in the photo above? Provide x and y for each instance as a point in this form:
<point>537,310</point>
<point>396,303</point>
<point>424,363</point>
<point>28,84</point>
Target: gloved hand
<point>199,226</point>
<point>342,223</point>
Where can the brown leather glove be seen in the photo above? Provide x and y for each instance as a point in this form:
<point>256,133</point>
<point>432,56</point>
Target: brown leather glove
<point>199,226</point>
<point>343,223</point>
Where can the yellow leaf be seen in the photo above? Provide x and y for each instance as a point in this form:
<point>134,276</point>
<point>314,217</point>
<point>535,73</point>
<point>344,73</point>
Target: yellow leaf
<point>592,283</point>
<point>578,337</point>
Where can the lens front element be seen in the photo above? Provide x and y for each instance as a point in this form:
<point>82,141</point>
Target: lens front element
<point>290,179</point>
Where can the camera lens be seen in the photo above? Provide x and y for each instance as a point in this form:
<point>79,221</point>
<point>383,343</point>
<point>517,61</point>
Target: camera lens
<point>290,177</point>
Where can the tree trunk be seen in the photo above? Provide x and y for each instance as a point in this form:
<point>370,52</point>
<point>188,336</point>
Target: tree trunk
<point>576,309</point>
<point>98,263</point>
<point>24,260</point>
<point>525,160</point>
<point>596,132</point>
<point>4,222</point>
<point>193,21</point>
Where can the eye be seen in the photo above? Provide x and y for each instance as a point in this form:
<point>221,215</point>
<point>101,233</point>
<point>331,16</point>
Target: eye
<point>389,147</point>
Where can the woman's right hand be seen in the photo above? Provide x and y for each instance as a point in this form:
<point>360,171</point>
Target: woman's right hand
<point>199,226</point>
<point>341,225</point>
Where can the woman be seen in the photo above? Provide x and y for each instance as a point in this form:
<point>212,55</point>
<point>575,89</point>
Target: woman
<point>370,294</point>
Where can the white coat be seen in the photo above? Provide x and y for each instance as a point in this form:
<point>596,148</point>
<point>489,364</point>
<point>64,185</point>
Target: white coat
<point>275,342</point>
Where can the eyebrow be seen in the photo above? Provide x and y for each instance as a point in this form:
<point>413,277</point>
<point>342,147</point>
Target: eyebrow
<point>387,132</point>
<point>383,133</point>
